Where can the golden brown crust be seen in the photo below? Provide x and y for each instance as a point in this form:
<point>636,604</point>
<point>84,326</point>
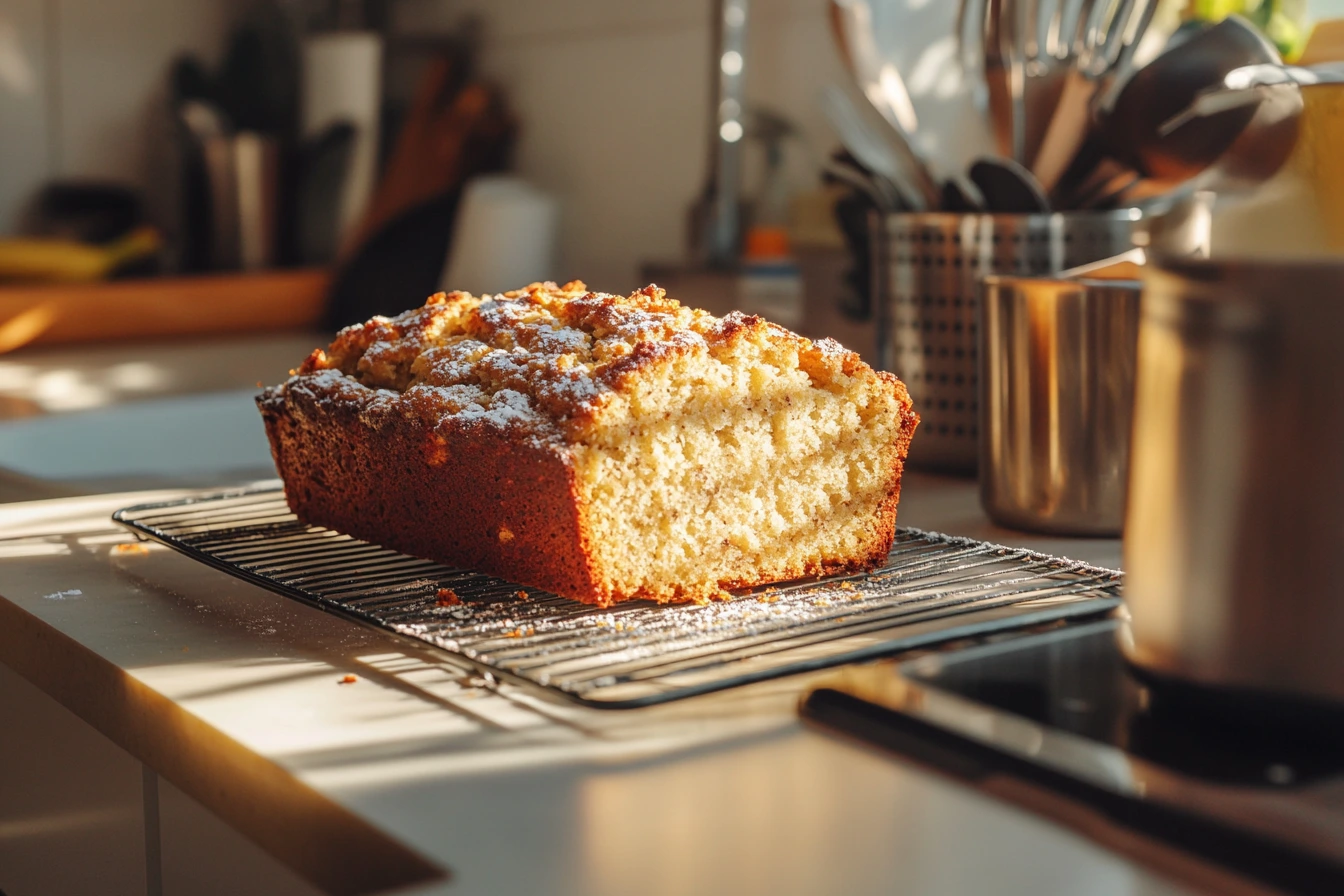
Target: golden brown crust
<point>559,352</point>
<point>503,506</point>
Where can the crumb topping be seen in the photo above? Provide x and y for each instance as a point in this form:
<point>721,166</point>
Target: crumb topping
<point>545,359</point>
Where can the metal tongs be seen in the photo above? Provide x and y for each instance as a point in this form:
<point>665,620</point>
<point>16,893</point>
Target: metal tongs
<point>1249,85</point>
<point>1048,66</point>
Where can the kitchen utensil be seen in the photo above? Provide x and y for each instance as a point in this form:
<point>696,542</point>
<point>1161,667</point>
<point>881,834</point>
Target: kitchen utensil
<point>1001,80</point>
<point>879,191</point>
<point>256,162</point>
<point>953,128</point>
<point>404,257</point>
<point>259,76</point>
<point>881,82</point>
<point>1248,167</point>
<point>1057,358</point>
<point>188,79</point>
<point>1234,544</point>
<point>1249,85</point>
<point>199,122</point>
<point>1109,178</point>
<point>243,172</point>
<point>1107,55</point>
<point>204,120</point>
<point>961,196</point>
<point>927,268</point>
<point>1070,120</point>
<point>1043,75</point>
<point>342,82</point>
<point>968,30</point>
<point>1035,54</point>
<point>1018,19</point>
<point>449,135</point>
<point>1116,52</point>
<point>880,79</point>
<point>854,214</point>
<point>1066,126</point>
<point>1008,187</point>
<point>1132,130</point>
<point>324,162</point>
<point>873,151</point>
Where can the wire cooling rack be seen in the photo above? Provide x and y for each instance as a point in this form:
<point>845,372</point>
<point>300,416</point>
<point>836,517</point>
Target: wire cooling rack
<point>932,588</point>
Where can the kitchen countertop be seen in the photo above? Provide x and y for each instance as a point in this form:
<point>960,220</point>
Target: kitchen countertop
<point>416,775</point>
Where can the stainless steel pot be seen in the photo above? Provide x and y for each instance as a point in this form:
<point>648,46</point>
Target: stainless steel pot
<point>1234,537</point>
<point>1056,397</point>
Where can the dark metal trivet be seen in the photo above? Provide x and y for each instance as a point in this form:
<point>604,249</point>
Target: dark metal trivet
<point>933,588</point>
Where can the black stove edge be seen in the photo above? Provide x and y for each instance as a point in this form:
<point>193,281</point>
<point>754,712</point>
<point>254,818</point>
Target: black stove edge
<point>1270,862</point>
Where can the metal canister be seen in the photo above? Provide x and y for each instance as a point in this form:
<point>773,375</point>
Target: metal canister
<point>927,270</point>
<point>1234,536</point>
<point>1057,361</point>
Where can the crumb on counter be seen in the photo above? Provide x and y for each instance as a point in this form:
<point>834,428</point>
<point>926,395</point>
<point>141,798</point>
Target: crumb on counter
<point>348,679</point>
<point>505,534</point>
<point>131,548</point>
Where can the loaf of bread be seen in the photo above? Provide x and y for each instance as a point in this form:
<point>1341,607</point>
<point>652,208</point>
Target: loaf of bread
<point>600,447</point>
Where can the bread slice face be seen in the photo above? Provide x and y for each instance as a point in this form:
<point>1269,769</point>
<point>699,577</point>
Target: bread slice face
<point>602,447</point>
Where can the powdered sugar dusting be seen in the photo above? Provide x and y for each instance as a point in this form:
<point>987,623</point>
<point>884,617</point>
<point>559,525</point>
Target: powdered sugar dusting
<point>535,358</point>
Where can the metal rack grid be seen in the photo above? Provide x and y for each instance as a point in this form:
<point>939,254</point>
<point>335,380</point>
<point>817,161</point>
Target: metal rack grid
<point>933,588</point>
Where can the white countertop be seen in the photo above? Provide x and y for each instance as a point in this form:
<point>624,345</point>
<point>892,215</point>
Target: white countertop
<point>233,695</point>
<point>417,775</point>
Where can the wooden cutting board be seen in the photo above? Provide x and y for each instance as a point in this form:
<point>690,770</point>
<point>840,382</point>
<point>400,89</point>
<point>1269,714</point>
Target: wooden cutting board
<point>158,308</point>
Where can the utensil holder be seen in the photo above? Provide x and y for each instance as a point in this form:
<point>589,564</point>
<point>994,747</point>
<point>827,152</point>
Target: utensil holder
<point>927,267</point>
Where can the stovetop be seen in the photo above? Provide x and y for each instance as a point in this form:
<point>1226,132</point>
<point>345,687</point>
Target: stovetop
<point>1061,710</point>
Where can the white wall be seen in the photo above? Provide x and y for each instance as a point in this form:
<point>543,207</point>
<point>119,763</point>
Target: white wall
<point>614,99</point>
<point>612,93</point>
<point>96,76</point>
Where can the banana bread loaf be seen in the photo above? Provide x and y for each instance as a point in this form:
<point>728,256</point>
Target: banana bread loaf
<point>598,446</point>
